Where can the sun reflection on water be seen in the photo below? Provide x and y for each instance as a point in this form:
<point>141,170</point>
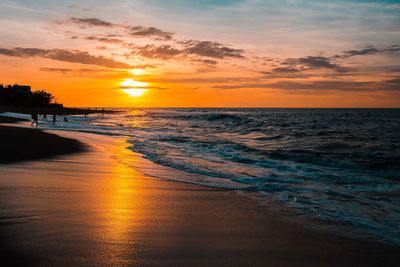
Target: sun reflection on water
<point>124,207</point>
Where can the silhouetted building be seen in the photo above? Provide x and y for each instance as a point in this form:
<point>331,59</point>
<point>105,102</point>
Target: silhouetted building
<point>16,88</point>
<point>22,88</point>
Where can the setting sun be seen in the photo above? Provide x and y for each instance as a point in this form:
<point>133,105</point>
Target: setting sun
<point>136,92</point>
<point>136,71</point>
<point>132,83</point>
<point>133,88</point>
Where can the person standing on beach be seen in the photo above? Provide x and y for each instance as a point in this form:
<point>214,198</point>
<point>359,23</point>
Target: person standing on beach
<point>44,117</point>
<point>34,119</point>
<point>54,118</point>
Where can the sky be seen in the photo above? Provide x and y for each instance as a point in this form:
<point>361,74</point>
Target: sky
<point>204,53</point>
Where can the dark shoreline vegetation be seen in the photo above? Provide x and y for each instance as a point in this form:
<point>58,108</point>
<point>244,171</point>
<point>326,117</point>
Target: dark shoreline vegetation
<point>21,99</point>
<point>21,144</point>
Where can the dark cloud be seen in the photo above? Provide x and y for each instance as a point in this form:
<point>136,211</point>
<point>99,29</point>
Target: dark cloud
<point>385,85</point>
<point>23,52</point>
<point>60,70</point>
<point>369,50</point>
<point>74,56</point>
<point>285,70</point>
<point>206,52</point>
<point>92,22</point>
<point>313,62</point>
<point>158,52</point>
<point>205,61</point>
<point>327,85</point>
<point>191,48</point>
<point>103,39</point>
<point>66,70</point>
<point>109,38</point>
<point>140,31</point>
<point>211,49</point>
<point>135,31</point>
<point>365,51</point>
<point>393,84</point>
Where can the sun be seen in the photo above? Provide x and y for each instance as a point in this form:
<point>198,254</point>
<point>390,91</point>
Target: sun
<point>132,83</point>
<point>136,72</point>
<point>133,88</point>
<point>135,92</point>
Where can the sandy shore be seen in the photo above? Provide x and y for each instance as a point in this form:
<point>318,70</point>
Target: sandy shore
<point>93,209</point>
<point>18,144</point>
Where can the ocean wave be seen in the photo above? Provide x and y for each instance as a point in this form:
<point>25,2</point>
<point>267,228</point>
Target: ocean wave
<point>344,169</point>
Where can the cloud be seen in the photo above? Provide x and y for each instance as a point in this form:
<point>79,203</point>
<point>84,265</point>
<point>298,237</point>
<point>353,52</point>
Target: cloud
<point>205,52</point>
<point>158,52</point>
<point>74,56</point>
<point>369,50</point>
<point>140,31</point>
<point>205,61</point>
<point>393,83</point>
<point>314,62</point>
<point>200,49</point>
<point>135,31</point>
<point>103,39</point>
<point>285,70</point>
<point>385,85</point>
<point>92,22</point>
<point>59,70</point>
<point>211,49</point>
<point>67,70</point>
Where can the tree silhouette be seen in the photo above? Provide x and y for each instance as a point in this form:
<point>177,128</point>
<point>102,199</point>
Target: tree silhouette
<point>12,95</point>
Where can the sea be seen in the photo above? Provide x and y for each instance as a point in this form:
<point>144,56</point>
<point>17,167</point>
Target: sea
<point>341,166</point>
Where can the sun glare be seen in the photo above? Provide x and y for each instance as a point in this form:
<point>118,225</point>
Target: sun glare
<point>133,88</point>
<point>133,83</point>
<point>136,72</point>
<point>135,92</point>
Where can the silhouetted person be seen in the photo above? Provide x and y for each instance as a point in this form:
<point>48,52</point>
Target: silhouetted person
<point>35,119</point>
<point>54,118</point>
<point>102,112</point>
<point>65,119</point>
<point>44,117</point>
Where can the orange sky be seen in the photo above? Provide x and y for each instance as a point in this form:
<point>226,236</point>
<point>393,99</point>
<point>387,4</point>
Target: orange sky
<point>82,54</point>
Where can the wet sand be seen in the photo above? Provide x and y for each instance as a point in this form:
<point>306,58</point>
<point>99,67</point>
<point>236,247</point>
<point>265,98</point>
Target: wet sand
<point>94,209</point>
<point>18,144</point>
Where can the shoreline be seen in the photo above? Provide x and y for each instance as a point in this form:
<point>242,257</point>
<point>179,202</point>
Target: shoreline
<point>25,144</point>
<point>92,208</point>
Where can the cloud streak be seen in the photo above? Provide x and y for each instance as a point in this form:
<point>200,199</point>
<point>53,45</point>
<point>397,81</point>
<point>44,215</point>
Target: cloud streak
<point>211,49</point>
<point>155,33</point>
<point>335,85</point>
<point>311,62</point>
<point>200,49</point>
<point>207,49</point>
<point>73,56</point>
<point>133,31</point>
<point>94,22</point>
<point>369,50</point>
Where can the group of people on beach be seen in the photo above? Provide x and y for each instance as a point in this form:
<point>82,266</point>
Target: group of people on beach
<point>35,118</point>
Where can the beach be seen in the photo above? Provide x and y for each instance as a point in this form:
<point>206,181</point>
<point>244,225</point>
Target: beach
<point>75,201</point>
<point>20,144</point>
